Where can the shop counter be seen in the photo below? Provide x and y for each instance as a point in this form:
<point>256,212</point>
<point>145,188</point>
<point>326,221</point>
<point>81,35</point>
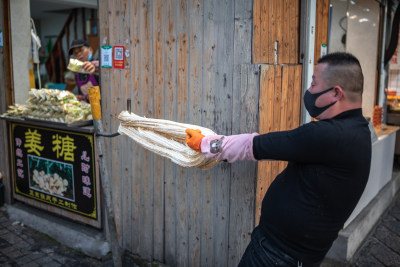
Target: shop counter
<point>381,166</point>
<point>377,196</point>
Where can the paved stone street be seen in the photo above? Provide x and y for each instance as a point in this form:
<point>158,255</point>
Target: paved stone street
<point>383,246</point>
<point>23,246</point>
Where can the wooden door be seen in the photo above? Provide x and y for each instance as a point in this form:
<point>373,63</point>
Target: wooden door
<point>276,31</point>
<point>276,47</point>
<point>280,98</point>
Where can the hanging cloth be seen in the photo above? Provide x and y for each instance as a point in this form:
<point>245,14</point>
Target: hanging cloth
<point>35,45</point>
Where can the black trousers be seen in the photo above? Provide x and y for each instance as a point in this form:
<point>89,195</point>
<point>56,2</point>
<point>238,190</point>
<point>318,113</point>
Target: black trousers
<point>260,252</point>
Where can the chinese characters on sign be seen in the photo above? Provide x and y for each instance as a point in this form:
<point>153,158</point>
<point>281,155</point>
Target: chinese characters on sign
<point>32,142</point>
<point>55,167</point>
<point>19,155</point>
<point>85,168</point>
<point>64,146</point>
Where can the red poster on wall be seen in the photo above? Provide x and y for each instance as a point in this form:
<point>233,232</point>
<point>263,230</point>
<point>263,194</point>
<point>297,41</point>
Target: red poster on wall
<point>118,60</point>
<point>394,61</point>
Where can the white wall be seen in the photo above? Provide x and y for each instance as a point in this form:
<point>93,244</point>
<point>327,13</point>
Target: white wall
<point>21,46</point>
<point>339,9</point>
<point>380,172</point>
<point>362,34</point>
<point>362,41</point>
<point>51,27</point>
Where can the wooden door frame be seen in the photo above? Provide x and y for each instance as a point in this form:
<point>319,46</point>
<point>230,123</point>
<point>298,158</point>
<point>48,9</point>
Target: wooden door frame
<point>8,81</point>
<point>7,98</point>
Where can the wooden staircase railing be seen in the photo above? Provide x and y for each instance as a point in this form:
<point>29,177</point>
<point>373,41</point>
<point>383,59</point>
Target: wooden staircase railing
<point>56,63</point>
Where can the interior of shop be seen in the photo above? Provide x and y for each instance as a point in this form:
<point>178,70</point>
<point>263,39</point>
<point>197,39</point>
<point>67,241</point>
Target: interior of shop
<point>44,30</point>
<point>354,27</point>
<point>359,27</point>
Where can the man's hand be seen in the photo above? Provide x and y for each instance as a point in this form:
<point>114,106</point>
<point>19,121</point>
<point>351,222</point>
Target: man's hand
<point>193,139</point>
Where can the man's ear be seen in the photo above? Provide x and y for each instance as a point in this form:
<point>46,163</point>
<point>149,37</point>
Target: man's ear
<point>339,93</point>
<point>90,50</point>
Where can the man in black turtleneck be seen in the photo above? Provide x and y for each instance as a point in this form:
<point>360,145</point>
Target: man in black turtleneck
<point>328,167</point>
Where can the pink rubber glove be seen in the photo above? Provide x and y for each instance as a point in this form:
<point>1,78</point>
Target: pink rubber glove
<point>233,147</point>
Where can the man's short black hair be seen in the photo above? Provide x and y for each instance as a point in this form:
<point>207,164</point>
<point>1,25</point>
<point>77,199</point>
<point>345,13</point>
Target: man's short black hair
<point>343,69</point>
<point>77,43</point>
<point>339,58</point>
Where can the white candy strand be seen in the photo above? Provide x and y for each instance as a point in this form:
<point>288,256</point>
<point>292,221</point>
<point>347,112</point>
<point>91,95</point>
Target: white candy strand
<point>165,138</point>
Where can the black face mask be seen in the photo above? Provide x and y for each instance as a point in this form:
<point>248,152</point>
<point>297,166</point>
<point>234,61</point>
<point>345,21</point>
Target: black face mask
<point>309,103</point>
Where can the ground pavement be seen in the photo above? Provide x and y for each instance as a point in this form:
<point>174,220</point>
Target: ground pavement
<point>382,246</point>
<point>23,246</point>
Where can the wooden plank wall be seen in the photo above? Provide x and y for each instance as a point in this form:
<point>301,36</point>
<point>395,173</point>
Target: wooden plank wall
<point>189,61</point>
<point>276,21</point>
<point>280,82</point>
<point>6,98</point>
<point>280,98</point>
<point>321,27</point>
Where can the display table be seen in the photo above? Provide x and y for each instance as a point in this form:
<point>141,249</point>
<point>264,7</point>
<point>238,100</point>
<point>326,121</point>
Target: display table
<point>381,166</point>
<point>54,168</point>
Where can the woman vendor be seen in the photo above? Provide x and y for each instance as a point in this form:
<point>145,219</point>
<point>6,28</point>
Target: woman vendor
<point>81,50</point>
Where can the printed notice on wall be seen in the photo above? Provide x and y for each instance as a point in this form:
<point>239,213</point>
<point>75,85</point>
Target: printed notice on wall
<point>118,57</point>
<point>394,61</point>
<point>106,56</point>
<point>1,38</point>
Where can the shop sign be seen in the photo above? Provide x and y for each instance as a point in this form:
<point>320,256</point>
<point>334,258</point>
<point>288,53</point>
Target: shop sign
<point>118,57</point>
<point>55,167</point>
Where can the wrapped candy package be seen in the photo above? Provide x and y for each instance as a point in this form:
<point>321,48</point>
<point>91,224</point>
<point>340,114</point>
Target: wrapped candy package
<point>51,105</point>
<point>76,65</point>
